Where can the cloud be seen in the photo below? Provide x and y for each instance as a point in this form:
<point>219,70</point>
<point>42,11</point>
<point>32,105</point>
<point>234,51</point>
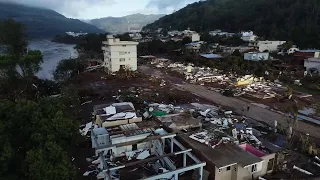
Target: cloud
<point>69,8</point>
<point>90,9</point>
<point>169,4</point>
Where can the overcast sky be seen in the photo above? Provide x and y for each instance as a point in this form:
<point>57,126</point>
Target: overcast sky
<point>89,9</point>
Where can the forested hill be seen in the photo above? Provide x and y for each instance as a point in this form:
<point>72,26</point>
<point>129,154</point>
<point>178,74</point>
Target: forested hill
<point>123,24</point>
<point>296,20</point>
<point>43,22</point>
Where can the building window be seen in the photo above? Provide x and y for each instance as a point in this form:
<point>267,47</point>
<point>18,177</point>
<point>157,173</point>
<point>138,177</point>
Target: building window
<point>228,168</point>
<point>128,52</point>
<point>124,45</point>
<point>270,165</point>
<point>134,147</point>
<point>254,168</point>
<point>122,53</point>
<point>122,59</point>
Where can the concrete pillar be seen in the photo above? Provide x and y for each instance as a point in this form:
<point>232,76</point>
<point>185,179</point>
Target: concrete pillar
<point>184,159</point>
<point>171,141</point>
<point>289,132</point>
<point>200,172</point>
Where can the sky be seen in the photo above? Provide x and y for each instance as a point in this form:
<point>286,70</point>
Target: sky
<point>90,9</point>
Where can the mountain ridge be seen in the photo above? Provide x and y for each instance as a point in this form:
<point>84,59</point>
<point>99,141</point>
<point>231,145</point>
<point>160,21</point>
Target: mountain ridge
<point>42,22</point>
<point>123,24</point>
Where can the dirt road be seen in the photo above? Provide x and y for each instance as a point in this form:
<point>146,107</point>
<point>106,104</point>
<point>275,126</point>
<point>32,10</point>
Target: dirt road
<point>255,112</point>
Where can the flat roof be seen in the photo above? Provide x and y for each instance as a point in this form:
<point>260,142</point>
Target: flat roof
<point>120,43</point>
<point>223,155</point>
<point>313,59</point>
<point>211,56</point>
<point>309,50</point>
<point>147,56</point>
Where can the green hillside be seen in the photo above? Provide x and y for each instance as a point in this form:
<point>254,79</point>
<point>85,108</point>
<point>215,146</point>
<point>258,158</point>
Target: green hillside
<point>296,20</point>
<point>43,22</point>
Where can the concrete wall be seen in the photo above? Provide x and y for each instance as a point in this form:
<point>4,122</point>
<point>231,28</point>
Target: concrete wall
<point>120,150</point>
<point>224,173</point>
<point>249,38</point>
<point>270,46</point>
<point>120,122</point>
<point>123,55</point>
<point>265,170</point>
<point>236,172</point>
<point>195,37</point>
<point>256,56</point>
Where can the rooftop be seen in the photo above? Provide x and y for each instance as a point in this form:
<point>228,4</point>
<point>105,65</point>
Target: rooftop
<point>211,56</point>
<point>313,59</point>
<point>143,157</point>
<point>309,50</point>
<point>194,43</point>
<point>223,155</point>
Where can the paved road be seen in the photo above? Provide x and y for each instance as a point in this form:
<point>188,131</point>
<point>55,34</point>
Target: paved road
<point>255,112</point>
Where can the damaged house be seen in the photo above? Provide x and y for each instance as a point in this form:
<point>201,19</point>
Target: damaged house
<point>107,115</point>
<point>141,152</point>
<point>230,161</point>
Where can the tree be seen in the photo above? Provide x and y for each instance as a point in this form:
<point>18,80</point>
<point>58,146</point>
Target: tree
<point>90,43</point>
<point>67,68</point>
<point>26,127</point>
<point>30,63</point>
<point>35,131</point>
<point>294,19</point>
<point>164,32</point>
<point>18,67</point>
<point>287,45</point>
<point>236,53</point>
<point>186,40</point>
<point>12,35</point>
<point>124,37</point>
<point>49,162</point>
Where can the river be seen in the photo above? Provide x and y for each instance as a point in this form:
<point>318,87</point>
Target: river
<point>52,53</point>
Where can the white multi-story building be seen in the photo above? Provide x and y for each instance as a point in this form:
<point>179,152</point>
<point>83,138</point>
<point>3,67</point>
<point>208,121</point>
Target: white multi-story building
<point>248,36</point>
<point>195,37</point>
<point>269,46</point>
<point>192,34</point>
<point>119,54</point>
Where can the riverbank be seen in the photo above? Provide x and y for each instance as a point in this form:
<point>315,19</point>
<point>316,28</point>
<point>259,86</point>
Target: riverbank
<point>52,53</point>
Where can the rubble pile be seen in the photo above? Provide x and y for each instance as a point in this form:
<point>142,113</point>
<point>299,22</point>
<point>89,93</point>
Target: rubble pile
<point>262,90</point>
<point>156,110</point>
<point>225,127</point>
<point>246,85</point>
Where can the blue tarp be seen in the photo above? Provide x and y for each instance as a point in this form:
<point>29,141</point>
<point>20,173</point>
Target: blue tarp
<point>211,56</point>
